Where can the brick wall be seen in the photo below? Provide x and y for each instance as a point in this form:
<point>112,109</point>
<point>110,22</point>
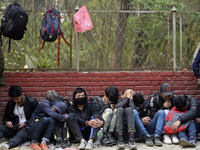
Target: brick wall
<point>37,83</point>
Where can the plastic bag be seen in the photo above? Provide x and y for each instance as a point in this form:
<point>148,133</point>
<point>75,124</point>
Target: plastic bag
<point>82,21</point>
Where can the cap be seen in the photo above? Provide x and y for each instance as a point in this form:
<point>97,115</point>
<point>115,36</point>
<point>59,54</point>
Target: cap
<point>166,89</point>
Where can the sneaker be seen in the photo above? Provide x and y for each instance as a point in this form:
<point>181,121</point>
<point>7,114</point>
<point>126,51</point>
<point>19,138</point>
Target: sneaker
<point>105,140</point>
<point>44,146</point>
<point>192,143</point>
<point>183,142</point>
<point>111,139</point>
<point>175,139</point>
<point>35,146</point>
<point>120,143</point>
<point>132,144</point>
<point>4,147</point>
<point>89,146</point>
<point>148,141</point>
<point>58,142</point>
<point>167,139</point>
<point>157,141</point>
<point>82,144</point>
<point>65,143</point>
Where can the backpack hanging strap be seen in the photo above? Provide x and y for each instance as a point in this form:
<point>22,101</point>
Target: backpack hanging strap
<point>43,44</point>
<point>64,39</point>
<point>9,45</point>
<point>58,50</point>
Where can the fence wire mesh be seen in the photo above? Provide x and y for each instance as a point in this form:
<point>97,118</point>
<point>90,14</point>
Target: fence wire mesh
<point>127,35</point>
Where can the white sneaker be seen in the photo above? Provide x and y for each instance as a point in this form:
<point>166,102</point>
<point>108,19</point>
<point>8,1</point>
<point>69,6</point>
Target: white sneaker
<point>82,144</point>
<point>167,139</point>
<point>175,139</point>
<point>4,147</point>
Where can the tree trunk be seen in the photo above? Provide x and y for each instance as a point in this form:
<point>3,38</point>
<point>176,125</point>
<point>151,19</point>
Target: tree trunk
<point>119,34</point>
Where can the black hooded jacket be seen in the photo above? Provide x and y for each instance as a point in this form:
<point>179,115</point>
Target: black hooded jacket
<point>86,113</point>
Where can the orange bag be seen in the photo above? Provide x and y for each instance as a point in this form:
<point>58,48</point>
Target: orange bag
<point>82,21</point>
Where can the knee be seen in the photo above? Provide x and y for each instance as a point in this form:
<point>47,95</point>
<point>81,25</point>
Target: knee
<point>161,113</point>
<point>135,112</point>
<point>120,110</point>
<point>129,110</point>
<point>44,119</point>
<point>51,121</point>
<point>108,111</point>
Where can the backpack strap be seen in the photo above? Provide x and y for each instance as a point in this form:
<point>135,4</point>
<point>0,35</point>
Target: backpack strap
<point>43,44</point>
<point>64,39</point>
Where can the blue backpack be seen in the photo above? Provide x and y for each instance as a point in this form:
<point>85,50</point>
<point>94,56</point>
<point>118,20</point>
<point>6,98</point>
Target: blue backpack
<point>51,30</point>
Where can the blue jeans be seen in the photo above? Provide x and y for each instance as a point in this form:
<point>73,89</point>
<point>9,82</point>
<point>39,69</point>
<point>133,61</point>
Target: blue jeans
<point>42,129</point>
<point>191,130</point>
<point>140,129</point>
<point>155,127</point>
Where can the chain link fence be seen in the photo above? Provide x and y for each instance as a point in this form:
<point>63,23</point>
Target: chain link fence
<point>127,35</point>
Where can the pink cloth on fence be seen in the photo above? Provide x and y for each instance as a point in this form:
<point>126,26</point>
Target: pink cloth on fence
<point>82,21</point>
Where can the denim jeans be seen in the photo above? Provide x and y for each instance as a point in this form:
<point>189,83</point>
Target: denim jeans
<point>128,113</point>
<point>140,129</point>
<point>41,129</point>
<point>191,130</point>
<point>109,117</point>
<point>155,127</point>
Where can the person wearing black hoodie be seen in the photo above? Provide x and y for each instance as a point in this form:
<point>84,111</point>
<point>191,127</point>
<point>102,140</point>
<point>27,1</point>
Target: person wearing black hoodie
<point>84,120</point>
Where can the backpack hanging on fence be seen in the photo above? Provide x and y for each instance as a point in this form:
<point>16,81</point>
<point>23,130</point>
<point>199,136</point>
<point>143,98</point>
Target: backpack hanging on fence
<point>14,22</point>
<point>50,30</point>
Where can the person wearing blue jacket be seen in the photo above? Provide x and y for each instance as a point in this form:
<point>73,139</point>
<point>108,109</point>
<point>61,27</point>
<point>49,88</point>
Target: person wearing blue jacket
<point>42,122</point>
<point>195,65</point>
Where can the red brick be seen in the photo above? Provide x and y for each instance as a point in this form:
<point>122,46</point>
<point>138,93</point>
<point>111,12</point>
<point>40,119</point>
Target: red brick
<point>73,79</point>
<point>135,88</point>
<point>38,89</point>
<point>189,78</point>
<point>178,87</point>
<point>30,84</point>
<point>49,75</point>
<point>166,74</point>
<point>178,74</point>
<point>146,92</point>
<point>153,88</point>
<point>188,73</point>
<point>155,74</point>
<point>84,79</point>
<point>132,74</point>
<point>60,79</point>
<point>6,74</point>
<point>61,83</point>
<point>144,88</point>
<point>3,94</point>
<point>12,75</point>
<point>120,74</point>
<point>75,84</point>
<point>109,83</point>
<point>111,79</point>
<point>155,78</point>
<point>97,88</point>
<point>88,88</point>
<point>167,78</point>
<point>155,83</point>
<point>95,74</point>
<point>62,75</point>
<point>120,83</point>
<point>132,83</point>
<point>97,83</point>
<point>96,93</point>
<point>86,83</point>
<point>136,79</point>
<point>36,75</point>
<point>189,83</point>
<point>144,79</point>
<point>192,88</point>
<point>178,83</point>
<point>49,84</point>
<point>13,80</point>
<point>77,74</point>
<point>25,75</point>
<point>144,74</point>
<point>33,79</point>
<point>96,79</point>
<point>143,83</point>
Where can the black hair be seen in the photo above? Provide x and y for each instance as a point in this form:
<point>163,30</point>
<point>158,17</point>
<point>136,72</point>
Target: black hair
<point>79,90</point>
<point>180,101</point>
<point>125,90</point>
<point>15,91</point>
<point>138,99</point>
<point>112,93</point>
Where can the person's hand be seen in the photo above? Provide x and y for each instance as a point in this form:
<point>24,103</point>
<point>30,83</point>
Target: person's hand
<point>97,123</point>
<point>130,93</point>
<point>167,104</point>
<point>198,120</point>
<point>198,83</point>
<point>112,106</point>
<point>146,121</point>
<point>22,125</point>
<point>176,125</point>
<point>91,123</point>
<point>9,124</point>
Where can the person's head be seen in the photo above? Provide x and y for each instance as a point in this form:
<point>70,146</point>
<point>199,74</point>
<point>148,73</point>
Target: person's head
<point>17,95</point>
<point>166,91</point>
<point>124,93</point>
<point>111,94</point>
<point>181,102</point>
<point>138,99</point>
<point>59,107</point>
<point>79,96</point>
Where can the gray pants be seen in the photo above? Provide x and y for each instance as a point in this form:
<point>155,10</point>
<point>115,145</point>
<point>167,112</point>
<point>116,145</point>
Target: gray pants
<point>109,117</point>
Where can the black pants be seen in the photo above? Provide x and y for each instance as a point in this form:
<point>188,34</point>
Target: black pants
<point>61,129</point>
<point>76,132</point>
<point>18,136</point>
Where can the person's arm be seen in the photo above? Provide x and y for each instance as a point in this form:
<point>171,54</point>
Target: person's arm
<point>153,106</point>
<point>7,117</point>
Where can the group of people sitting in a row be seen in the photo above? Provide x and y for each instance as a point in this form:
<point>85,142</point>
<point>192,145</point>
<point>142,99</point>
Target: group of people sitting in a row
<point>165,117</point>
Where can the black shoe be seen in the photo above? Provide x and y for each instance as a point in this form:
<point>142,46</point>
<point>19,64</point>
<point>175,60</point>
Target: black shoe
<point>132,144</point>
<point>111,139</point>
<point>105,141</point>
<point>65,143</point>
<point>157,141</point>
<point>120,143</point>
<point>58,142</point>
<point>148,141</point>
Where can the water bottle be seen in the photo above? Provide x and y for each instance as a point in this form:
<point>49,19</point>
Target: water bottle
<point>99,137</point>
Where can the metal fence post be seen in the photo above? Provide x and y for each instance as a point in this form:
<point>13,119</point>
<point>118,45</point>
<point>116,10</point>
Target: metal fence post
<point>77,45</point>
<point>174,37</point>
<point>181,42</point>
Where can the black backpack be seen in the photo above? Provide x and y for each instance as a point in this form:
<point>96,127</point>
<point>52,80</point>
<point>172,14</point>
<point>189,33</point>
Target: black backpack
<point>14,22</point>
<point>50,29</point>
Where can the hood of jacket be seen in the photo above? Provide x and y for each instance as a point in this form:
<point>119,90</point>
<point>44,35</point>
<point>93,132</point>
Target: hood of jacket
<point>60,107</point>
<point>73,98</point>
